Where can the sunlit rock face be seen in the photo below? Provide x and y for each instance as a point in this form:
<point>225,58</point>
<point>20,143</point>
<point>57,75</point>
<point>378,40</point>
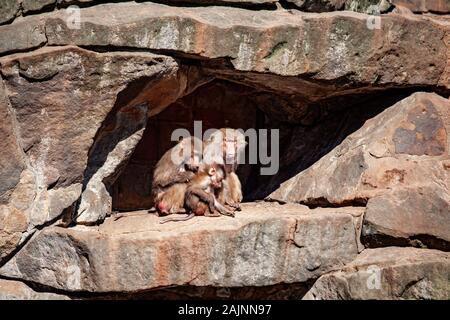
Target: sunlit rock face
<point>358,91</point>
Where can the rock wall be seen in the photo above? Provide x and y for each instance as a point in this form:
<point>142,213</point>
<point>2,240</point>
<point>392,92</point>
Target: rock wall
<point>359,90</point>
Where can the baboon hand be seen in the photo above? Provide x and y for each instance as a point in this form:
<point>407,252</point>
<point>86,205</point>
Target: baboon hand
<point>226,212</point>
<point>234,206</point>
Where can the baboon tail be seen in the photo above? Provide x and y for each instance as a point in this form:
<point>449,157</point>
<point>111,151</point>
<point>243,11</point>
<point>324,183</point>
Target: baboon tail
<point>184,218</point>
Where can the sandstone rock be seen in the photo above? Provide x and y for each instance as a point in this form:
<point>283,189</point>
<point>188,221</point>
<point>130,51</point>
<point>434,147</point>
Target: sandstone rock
<point>80,89</point>
<point>269,42</point>
<point>402,146</point>
<point>70,119</point>
<point>318,5</point>
<point>16,215</point>
<point>265,244</point>
<point>61,97</point>
<point>419,6</point>
<point>13,221</point>
<point>96,201</point>
<point>22,36</point>
<point>388,273</point>
<point>13,224</point>
<point>8,10</point>
<point>36,5</point>
<point>418,216</point>
<point>368,6</point>
<point>263,41</point>
<point>16,290</point>
<point>11,161</point>
<point>243,3</point>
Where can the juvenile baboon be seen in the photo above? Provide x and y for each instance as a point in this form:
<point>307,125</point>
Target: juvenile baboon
<point>199,198</point>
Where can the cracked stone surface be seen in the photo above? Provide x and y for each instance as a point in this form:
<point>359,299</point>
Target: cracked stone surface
<point>388,162</point>
<point>262,41</point>
<point>364,116</point>
<point>265,244</point>
<point>16,290</point>
<point>60,97</point>
<point>388,273</point>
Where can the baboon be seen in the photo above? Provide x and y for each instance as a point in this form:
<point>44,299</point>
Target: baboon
<point>224,147</point>
<point>172,173</point>
<point>199,198</point>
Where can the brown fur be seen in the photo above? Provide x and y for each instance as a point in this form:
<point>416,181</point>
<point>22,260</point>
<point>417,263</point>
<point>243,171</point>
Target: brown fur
<point>170,179</point>
<point>199,198</point>
<point>232,142</point>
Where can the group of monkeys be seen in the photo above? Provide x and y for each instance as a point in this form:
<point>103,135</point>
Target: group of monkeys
<point>203,181</point>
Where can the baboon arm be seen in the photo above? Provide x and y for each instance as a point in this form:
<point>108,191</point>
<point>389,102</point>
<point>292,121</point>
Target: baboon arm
<point>180,177</point>
<point>204,196</point>
<point>222,209</point>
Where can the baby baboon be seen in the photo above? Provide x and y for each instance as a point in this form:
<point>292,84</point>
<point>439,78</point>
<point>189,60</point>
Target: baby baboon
<point>199,198</point>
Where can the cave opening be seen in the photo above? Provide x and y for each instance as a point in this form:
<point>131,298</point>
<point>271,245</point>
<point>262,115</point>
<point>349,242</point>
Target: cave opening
<point>309,127</point>
<point>217,104</point>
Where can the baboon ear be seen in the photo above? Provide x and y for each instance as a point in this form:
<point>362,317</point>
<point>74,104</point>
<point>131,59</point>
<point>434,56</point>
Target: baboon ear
<point>212,171</point>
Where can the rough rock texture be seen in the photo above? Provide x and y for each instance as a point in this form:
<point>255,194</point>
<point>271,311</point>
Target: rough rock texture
<point>400,148</point>
<point>388,273</point>
<point>36,5</point>
<point>262,41</point>
<point>243,3</point>
<point>218,104</point>
<point>60,97</point>
<point>8,10</point>
<point>318,5</point>
<point>85,112</point>
<point>12,162</point>
<point>374,7</point>
<point>265,244</point>
<point>418,216</point>
<point>16,290</point>
<point>437,6</point>
<point>275,52</point>
<point>96,201</point>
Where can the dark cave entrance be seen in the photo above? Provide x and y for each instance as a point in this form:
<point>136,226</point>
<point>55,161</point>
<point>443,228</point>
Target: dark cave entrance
<point>307,131</point>
<point>217,104</point>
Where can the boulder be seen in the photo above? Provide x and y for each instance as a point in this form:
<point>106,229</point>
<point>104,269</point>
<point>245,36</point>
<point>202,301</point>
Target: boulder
<point>12,161</point>
<point>74,108</point>
<point>16,290</point>
<point>13,220</point>
<point>238,3</point>
<point>318,5</point>
<point>409,216</point>
<point>374,7</point>
<point>402,146</point>
<point>31,36</point>
<point>9,9</point>
<point>421,6</point>
<point>265,244</point>
<point>66,102</point>
<point>36,5</point>
<point>388,273</point>
<point>274,42</point>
